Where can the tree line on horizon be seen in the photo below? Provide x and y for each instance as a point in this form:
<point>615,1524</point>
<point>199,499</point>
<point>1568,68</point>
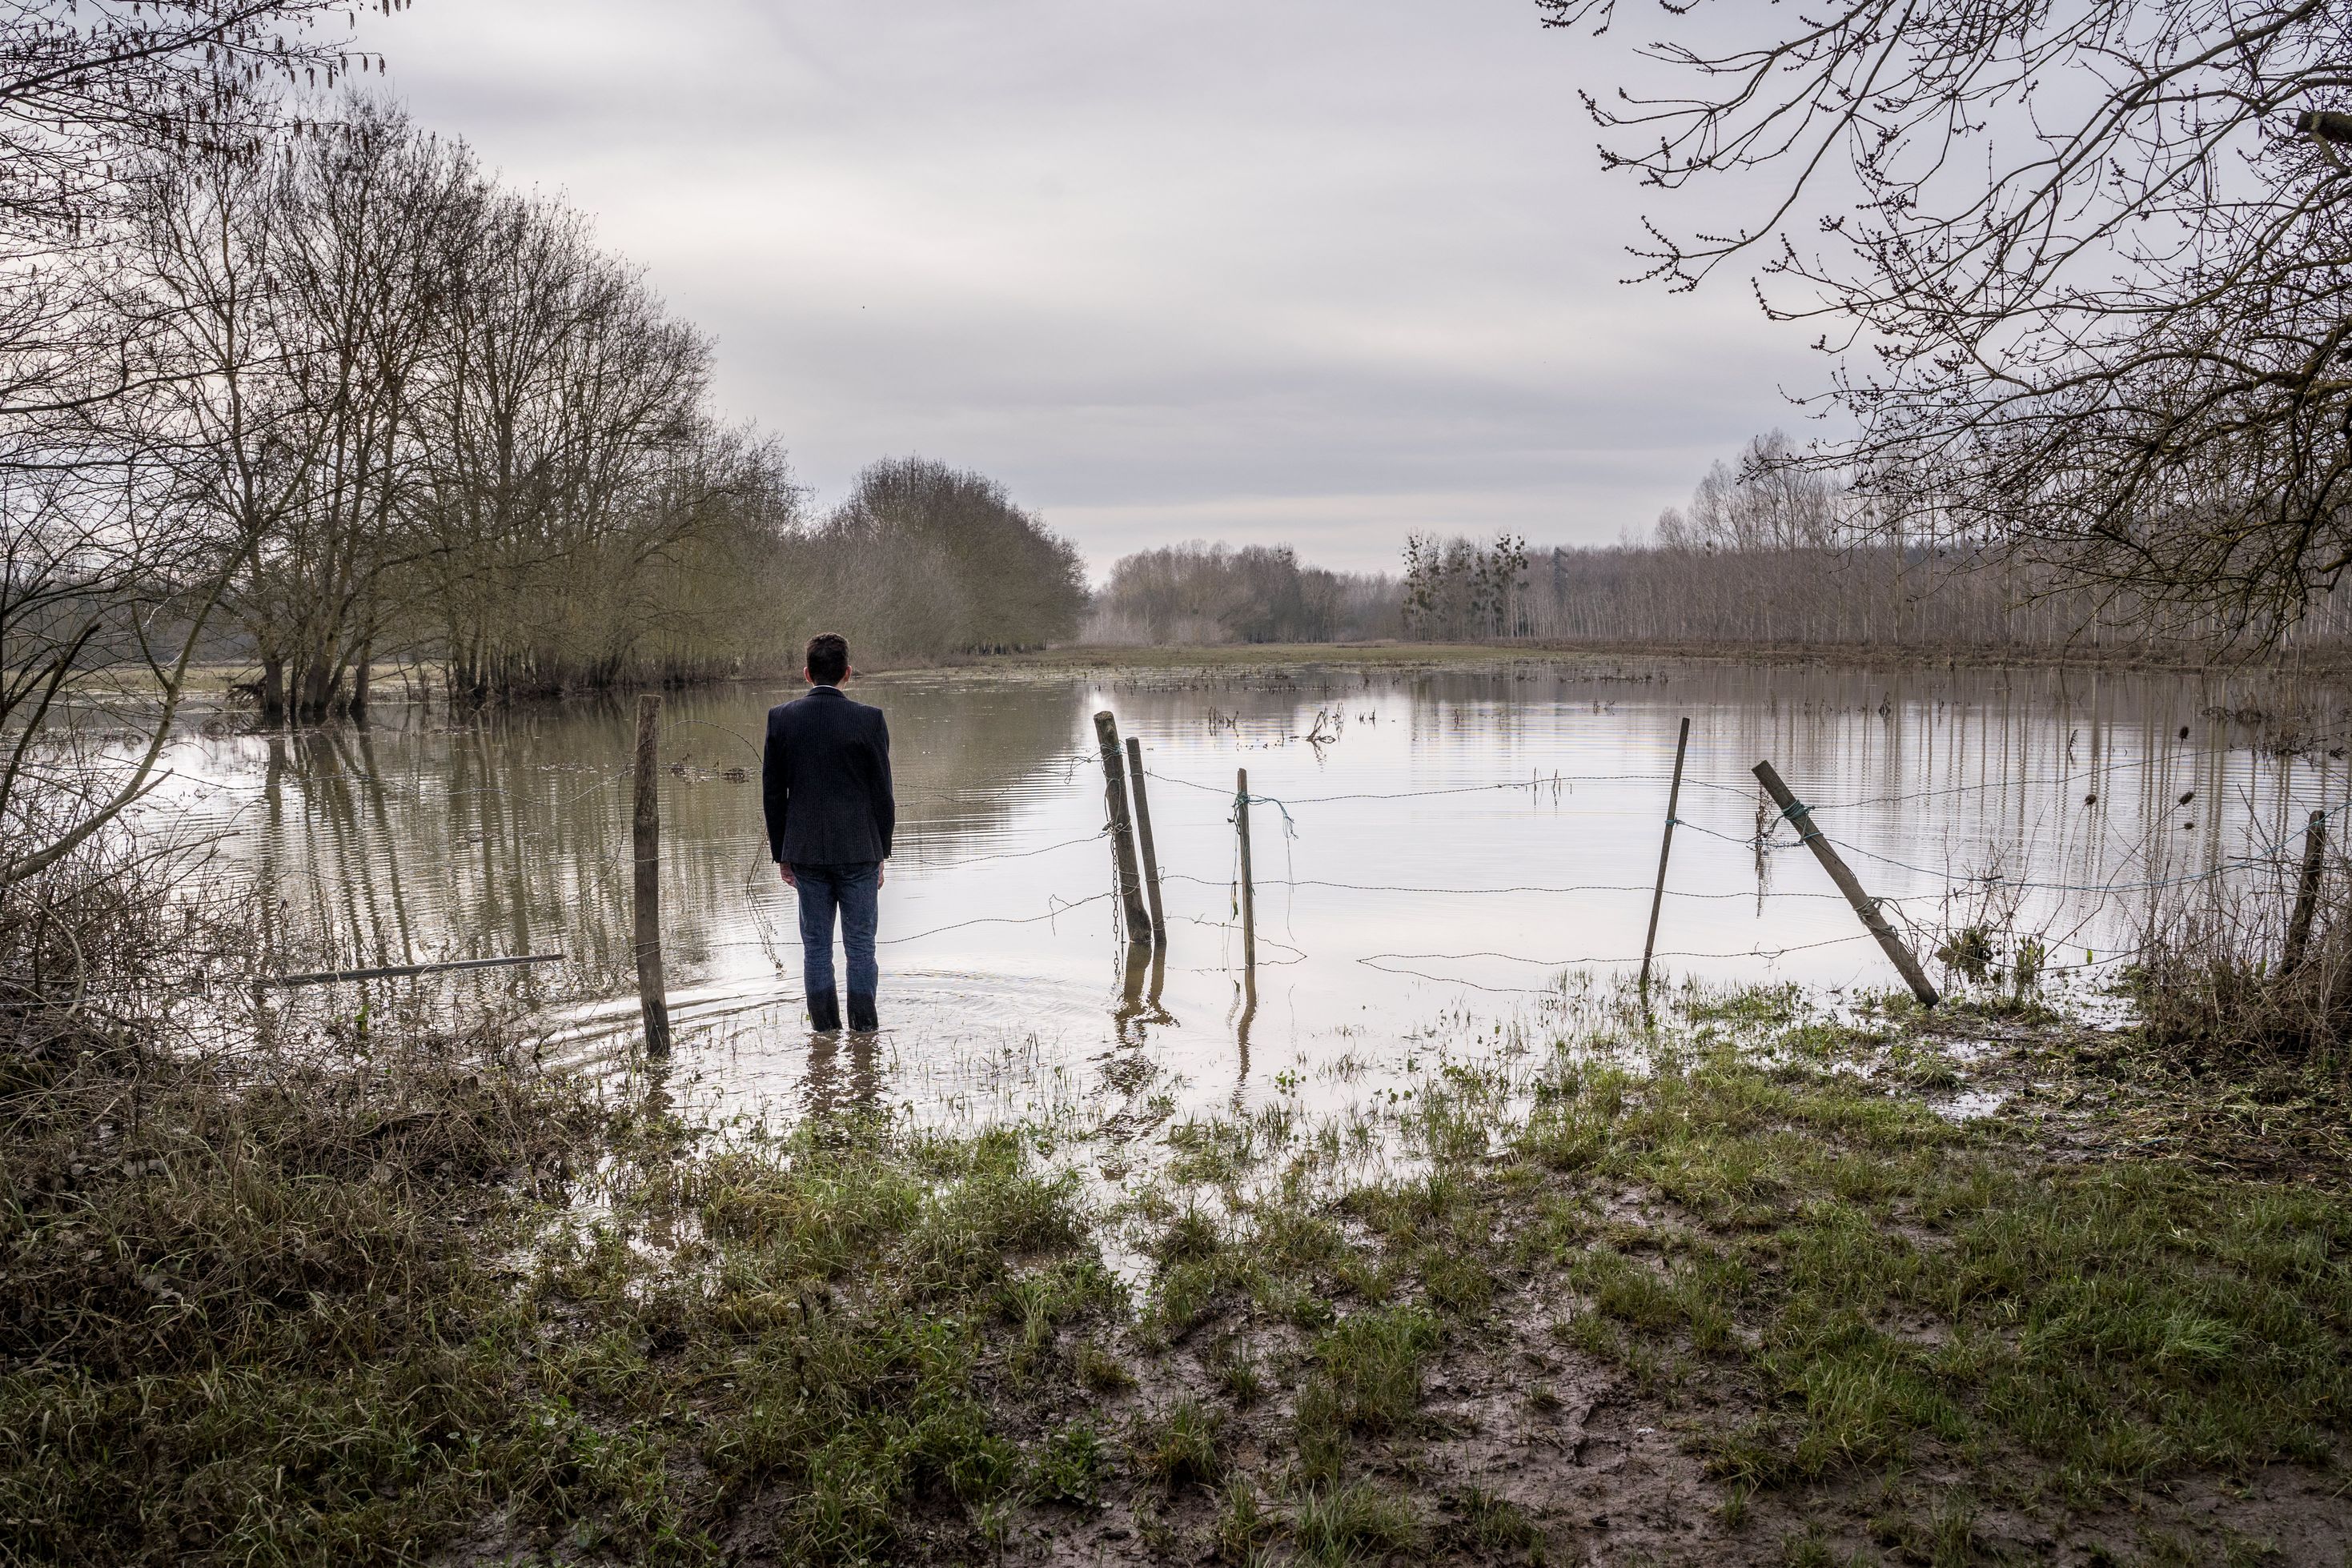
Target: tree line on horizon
<point>1769,551</point>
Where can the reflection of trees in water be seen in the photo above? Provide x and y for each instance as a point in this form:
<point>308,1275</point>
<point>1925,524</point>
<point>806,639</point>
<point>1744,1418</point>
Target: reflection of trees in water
<point>2067,775</point>
<point>2077,772</point>
<point>509,834</point>
<point>960,756</point>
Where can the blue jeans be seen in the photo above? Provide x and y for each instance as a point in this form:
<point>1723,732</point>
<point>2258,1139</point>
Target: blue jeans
<point>855,891</point>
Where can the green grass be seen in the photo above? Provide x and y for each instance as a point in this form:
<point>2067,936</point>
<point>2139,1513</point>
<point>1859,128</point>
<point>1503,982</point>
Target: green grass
<point>1493,1528</point>
<point>2114,1320</point>
<point>1863,1288</point>
<point>1178,1446</point>
<point>1372,1362</point>
<point>1355,1522</point>
<point>1070,1464</point>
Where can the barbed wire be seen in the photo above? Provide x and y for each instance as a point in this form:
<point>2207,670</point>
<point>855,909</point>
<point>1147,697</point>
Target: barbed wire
<point>1549,781</point>
<point>1061,909</point>
<point>1998,879</point>
<point>961,860</point>
<point>1373,961</point>
<point>2270,854</point>
<point>2099,770</point>
<point>1514,887</point>
<point>1298,955</point>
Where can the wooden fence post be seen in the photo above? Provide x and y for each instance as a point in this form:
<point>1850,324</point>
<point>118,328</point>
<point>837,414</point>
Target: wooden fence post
<point>1143,839</point>
<point>652,995</point>
<point>1666,848</point>
<point>1848,884</point>
<point>1249,892</point>
<point>1122,834</point>
<point>2306,894</point>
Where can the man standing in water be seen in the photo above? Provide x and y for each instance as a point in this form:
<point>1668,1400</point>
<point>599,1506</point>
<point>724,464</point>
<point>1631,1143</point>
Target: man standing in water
<point>825,781</point>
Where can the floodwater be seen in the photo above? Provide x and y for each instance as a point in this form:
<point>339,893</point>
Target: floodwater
<point>1430,845</point>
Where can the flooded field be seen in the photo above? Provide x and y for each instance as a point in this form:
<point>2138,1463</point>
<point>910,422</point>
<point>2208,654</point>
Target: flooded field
<point>1431,845</point>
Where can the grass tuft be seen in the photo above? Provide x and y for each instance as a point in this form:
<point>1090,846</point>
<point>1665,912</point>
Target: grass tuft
<point>1178,1445</point>
<point>1352,1522</point>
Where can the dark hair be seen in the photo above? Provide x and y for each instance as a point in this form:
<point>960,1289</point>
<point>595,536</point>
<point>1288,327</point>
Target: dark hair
<point>829,658</point>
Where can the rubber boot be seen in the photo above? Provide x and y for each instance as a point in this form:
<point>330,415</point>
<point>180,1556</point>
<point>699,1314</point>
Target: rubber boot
<point>825,1012</point>
<point>861,1015</point>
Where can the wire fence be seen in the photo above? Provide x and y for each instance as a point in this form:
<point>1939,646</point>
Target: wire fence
<point>2273,856</point>
<point>1763,840</point>
<point>1298,811</point>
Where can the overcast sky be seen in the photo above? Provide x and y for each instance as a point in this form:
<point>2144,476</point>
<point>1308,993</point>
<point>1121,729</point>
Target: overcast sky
<point>1316,272</point>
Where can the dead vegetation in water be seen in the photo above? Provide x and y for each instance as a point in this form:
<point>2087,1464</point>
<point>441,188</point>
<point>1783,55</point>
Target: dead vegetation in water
<point>2225,1055</point>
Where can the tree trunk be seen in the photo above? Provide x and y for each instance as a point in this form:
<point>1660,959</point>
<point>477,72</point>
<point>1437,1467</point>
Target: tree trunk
<point>361,668</point>
<point>321,680</point>
<point>273,689</point>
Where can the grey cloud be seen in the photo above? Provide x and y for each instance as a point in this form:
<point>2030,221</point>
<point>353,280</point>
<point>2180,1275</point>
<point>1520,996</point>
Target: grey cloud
<point>1318,271</point>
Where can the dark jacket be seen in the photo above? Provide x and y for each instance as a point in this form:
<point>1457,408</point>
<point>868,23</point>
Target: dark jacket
<point>825,781</point>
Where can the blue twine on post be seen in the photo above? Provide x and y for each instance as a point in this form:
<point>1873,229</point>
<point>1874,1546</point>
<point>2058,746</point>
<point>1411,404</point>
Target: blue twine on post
<point>1289,828</point>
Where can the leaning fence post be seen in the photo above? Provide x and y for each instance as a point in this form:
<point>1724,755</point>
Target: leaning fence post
<point>1863,905</point>
<point>1143,839</point>
<point>1122,839</point>
<point>1249,893</point>
<point>652,996</point>
<point>2306,894</point>
<point>1666,848</point>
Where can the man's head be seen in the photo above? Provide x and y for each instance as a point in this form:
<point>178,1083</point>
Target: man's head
<point>828,659</point>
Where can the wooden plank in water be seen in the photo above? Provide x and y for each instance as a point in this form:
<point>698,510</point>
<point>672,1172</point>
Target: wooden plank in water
<point>332,976</point>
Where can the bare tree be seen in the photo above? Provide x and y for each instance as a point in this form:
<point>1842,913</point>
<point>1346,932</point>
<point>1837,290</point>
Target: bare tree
<point>563,435</point>
<point>1764,502</point>
<point>303,291</point>
<point>1457,588</point>
<point>89,90</point>
<point>927,558</point>
<point>108,584</point>
<point>2086,269</point>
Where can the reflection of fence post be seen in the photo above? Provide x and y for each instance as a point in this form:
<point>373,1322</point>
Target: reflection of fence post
<point>1666,848</point>
<point>1122,839</point>
<point>652,996</point>
<point>1863,905</point>
<point>1143,839</point>
<point>1130,1012</point>
<point>1249,893</point>
<point>2306,894</point>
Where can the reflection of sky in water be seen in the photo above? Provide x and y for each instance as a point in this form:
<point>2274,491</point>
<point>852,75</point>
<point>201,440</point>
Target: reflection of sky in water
<point>415,840</point>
